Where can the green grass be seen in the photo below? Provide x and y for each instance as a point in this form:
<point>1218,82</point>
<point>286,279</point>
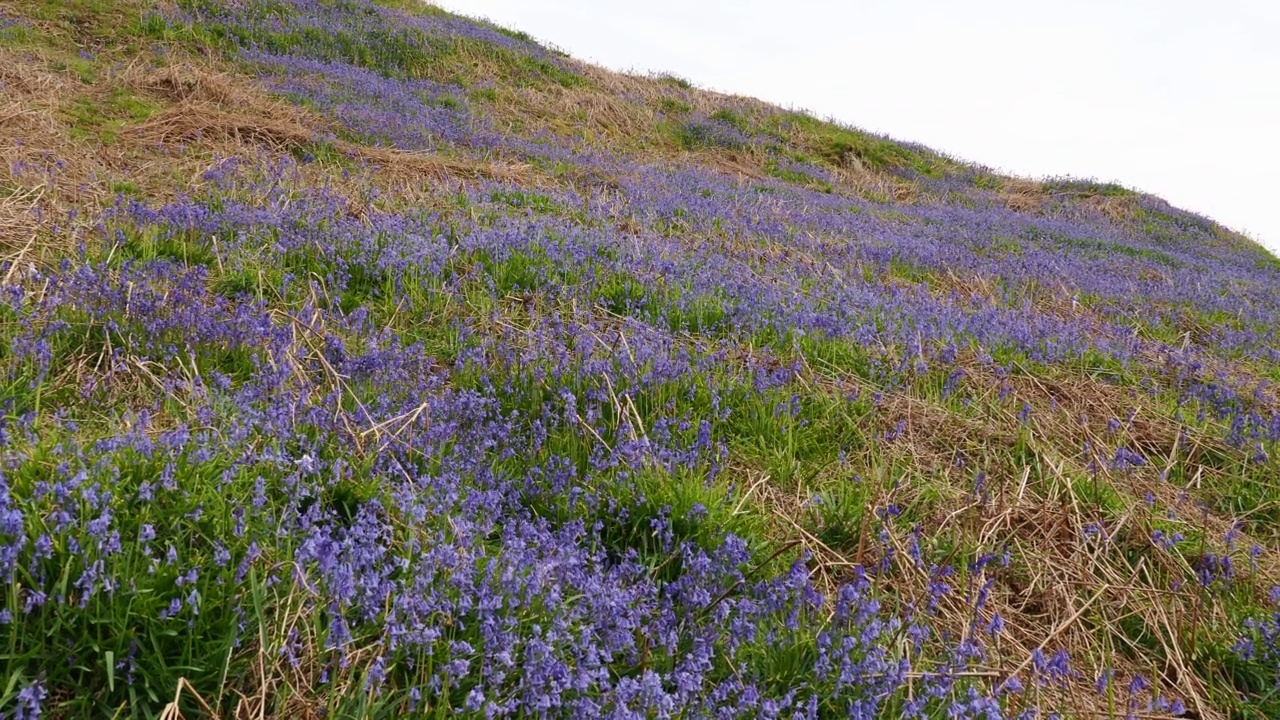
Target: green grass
<point>126,625</point>
<point>1103,249</point>
<point>671,106</point>
<point>1267,261</point>
<point>841,145</point>
<point>401,53</point>
<point>412,7</point>
<point>322,151</point>
<point>838,515</point>
<point>85,23</point>
<point>17,34</point>
<point>535,202</point>
<point>675,81</point>
<point>774,169</point>
<point>693,136</point>
<point>84,69</point>
<point>150,244</point>
<point>126,188</point>
<point>1088,188</point>
<point>732,119</point>
<point>103,120</point>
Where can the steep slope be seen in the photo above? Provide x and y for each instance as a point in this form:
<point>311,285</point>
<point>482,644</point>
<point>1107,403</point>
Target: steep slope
<point>368,361</point>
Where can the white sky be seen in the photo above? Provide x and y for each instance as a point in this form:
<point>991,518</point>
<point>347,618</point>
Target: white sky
<point>1179,98</point>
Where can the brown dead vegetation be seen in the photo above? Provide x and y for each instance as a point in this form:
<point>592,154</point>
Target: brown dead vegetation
<point>1025,195</point>
<point>219,107</point>
<point>649,90</point>
<point>626,110</point>
<point>1077,585</point>
<point>1119,211</point>
<point>1022,195</point>
<point>44,174</point>
<point>201,114</point>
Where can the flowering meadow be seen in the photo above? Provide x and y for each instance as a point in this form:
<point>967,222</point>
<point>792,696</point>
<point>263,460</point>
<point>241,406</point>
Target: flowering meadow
<point>363,360</point>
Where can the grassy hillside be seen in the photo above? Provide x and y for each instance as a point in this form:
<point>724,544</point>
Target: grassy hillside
<point>362,360</point>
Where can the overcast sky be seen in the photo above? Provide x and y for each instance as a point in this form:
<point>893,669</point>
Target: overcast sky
<point>1173,97</point>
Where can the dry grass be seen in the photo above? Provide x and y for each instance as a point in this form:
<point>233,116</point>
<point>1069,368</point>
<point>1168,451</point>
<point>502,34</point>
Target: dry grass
<point>1120,211</point>
<point>218,107</point>
<point>1076,585</point>
<point>625,110</point>
<point>201,114</point>
<point>1025,195</point>
<point>45,173</point>
<point>648,91</point>
<point>1022,195</point>
<point>567,111</point>
<point>213,107</point>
